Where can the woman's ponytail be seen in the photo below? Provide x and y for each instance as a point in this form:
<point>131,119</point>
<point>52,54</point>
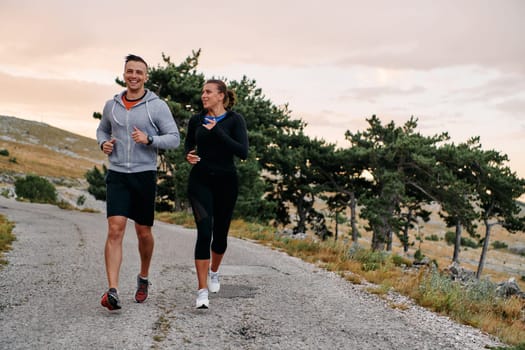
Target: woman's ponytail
<point>230,99</point>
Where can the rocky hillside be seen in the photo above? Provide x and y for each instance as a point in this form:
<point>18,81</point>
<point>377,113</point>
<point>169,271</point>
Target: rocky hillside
<point>45,150</point>
<point>29,147</point>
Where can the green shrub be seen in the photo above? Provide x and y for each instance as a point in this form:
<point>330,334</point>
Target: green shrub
<point>370,260</point>
<point>499,245</point>
<point>13,160</point>
<point>418,255</point>
<point>6,237</point>
<point>480,290</point>
<point>36,189</point>
<point>399,260</point>
<point>97,182</point>
<point>432,237</point>
<point>81,200</point>
<point>4,152</point>
<point>450,238</point>
<point>467,242</point>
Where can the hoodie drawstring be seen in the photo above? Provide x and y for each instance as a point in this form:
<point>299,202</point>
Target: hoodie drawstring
<point>113,114</point>
<point>151,119</point>
<point>147,111</point>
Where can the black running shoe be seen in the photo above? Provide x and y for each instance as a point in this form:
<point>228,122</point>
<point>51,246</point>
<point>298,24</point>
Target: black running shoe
<point>111,300</point>
<point>142,290</point>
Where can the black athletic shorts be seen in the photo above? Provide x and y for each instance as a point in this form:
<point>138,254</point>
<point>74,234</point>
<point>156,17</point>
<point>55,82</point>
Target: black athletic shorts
<point>131,195</point>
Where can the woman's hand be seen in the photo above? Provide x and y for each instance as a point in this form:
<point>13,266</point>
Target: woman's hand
<point>211,122</point>
<point>192,157</point>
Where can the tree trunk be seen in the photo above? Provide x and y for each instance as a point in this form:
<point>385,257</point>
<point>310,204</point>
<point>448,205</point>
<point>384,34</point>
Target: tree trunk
<point>390,238</point>
<point>336,224</point>
<point>405,239</point>
<point>405,231</point>
<point>484,250</point>
<point>301,218</point>
<point>379,236</point>
<point>353,219</point>
<point>457,243</point>
<point>376,239</point>
<point>376,244</point>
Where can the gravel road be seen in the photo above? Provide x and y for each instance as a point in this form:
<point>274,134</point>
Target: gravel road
<point>52,286</point>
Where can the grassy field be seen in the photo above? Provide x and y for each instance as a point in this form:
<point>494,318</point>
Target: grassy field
<point>44,150</point>
<point>40,160</point>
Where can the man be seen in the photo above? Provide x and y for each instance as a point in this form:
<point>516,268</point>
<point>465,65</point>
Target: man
<point>134,124</point>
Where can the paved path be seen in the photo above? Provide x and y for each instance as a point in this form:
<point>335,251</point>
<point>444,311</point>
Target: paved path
<point>52,287</point>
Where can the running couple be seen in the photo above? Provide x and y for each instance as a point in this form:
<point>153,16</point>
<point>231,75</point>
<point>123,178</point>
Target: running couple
<point>134,125</point>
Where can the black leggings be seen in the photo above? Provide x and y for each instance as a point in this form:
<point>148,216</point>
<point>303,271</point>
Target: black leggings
<point>212,199</point>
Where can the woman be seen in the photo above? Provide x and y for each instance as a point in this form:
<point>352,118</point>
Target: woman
<point>214,137</point>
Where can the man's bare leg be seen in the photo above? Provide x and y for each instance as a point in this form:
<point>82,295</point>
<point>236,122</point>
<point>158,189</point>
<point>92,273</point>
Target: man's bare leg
<point>146,244</point>
<point>113,248</point>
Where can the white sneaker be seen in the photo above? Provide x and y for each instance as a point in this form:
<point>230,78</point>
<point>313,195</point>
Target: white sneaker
<point>202,299</point>
<point>213,281</point>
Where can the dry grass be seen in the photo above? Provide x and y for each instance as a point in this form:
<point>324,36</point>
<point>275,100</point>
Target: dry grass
<point>181,219</point>
<point>6,237</point>
<point>502,318</point>
<point>39,160</point>
<point>40,149</point>
<point>352,277</point>
<point>399,306</point>
<point>379,290</point>
<point>500,264</point>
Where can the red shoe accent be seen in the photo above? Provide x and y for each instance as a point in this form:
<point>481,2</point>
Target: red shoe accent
<point>142,290</point>
<point>106,302</point>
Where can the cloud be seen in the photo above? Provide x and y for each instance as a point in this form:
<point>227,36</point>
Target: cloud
<point>494,87</point>
<point>50,92</point>
<point>372,94</point>
<point>330,125</point>
<point>63,103</point>
<point>515,107</point>
<point>456,65</point>
<point>444,34</point>
<point>502,94</point>
<point>412,34</point>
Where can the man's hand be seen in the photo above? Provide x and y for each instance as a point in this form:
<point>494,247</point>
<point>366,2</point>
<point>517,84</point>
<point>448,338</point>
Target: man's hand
<point>107,146</point>
<point>138,136</point>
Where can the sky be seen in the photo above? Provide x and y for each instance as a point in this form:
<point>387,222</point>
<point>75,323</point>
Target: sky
<point>458,66</point>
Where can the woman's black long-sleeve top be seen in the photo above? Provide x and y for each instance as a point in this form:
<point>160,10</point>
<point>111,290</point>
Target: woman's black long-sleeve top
<point>217,147</point>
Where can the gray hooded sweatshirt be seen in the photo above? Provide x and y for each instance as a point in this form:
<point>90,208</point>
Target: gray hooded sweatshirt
<point>152,116</point>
